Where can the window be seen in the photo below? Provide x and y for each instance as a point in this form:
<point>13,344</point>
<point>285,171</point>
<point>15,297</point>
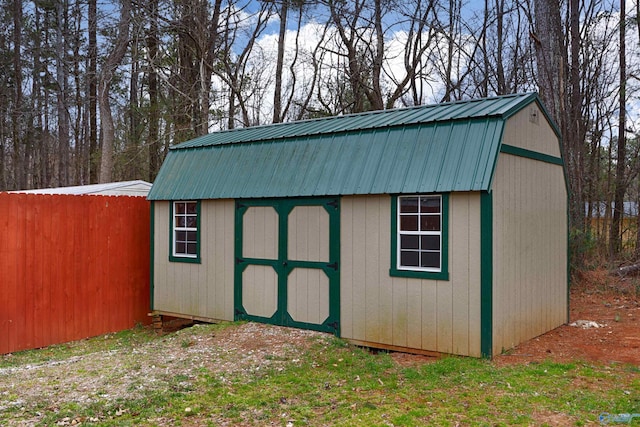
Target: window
<point>420,236</point>
<point>185,231</point>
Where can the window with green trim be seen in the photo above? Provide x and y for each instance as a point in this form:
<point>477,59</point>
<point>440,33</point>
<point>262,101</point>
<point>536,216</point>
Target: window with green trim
<point>185,231</point>
<point>420,236</point>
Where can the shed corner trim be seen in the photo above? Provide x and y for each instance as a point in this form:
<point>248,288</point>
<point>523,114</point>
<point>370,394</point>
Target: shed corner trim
<point>486,274</point>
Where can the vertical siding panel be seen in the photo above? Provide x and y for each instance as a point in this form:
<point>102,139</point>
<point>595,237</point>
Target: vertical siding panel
<point>211,236</point>
<point>474,274</point>
<point>7,280</point>
<point>99,262</point>
<point>375,290</point>
<point>28,283</point>
<point>414,314</point>
<point>445,316</point>
<point>162,275</point>
<point>42,303</point>
<point>399,317</point>
<point>387,287</point>
<point>460,245</point>
<point>58,293</point>
<point>17,336</point>
<point>362,294</point>
<point>141,280</point>
<point>106,256</point>
<point>226,283</point>
<point>347,300</point>
<point>429,316</point>
<point>75,277</point>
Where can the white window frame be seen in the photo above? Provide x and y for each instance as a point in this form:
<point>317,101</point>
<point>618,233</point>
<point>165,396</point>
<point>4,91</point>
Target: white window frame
<point>185,228</point>
<point>419,233</point>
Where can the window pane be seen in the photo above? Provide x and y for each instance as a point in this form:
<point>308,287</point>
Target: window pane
<point>191,248</point>
<point>409,258</point>
<point>179,221</point>
<point>192,221</point>
<point>180,208</point>
<point>430,223</point>
<point>409,223</point>
<point>191,208</point>
<point>430,204</point>
<point>430,259</point>
<point>431,243</point>
<point>409,242</point>
<point>408,204</point>
<point>192,236</point>
<point>181,236</point>
<point>180,247</point>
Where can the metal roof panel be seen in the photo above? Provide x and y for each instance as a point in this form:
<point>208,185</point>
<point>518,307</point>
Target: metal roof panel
<point>449,147</point>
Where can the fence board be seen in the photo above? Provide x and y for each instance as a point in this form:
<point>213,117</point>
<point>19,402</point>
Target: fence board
<point>71,267</point>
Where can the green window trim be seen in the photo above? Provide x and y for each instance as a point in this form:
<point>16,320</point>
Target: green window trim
<point>443,274</point>
<point>184,258</point>
<point>529,154</point>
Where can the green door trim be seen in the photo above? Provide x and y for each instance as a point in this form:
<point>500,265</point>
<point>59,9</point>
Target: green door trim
<point>283,266</point>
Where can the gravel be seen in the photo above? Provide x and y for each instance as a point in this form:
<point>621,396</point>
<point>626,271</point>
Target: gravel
<point>175,360</point>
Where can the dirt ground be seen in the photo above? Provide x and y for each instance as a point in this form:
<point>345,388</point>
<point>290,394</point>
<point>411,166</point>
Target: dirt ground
<point>613,303</point>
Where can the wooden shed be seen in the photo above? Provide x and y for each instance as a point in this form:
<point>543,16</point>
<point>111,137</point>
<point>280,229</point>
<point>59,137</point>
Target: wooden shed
<point>437,228</point>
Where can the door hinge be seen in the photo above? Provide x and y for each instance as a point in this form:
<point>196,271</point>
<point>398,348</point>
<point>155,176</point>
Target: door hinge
<point>333,266</point>
<point>333,204</point>
<point>239,260</point>
<point>333,325</point>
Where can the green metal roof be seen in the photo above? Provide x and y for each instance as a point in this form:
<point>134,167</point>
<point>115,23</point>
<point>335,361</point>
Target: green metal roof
<point>436,148</point>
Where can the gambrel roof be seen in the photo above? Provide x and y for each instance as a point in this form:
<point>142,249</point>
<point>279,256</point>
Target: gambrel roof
<point>434,148</point>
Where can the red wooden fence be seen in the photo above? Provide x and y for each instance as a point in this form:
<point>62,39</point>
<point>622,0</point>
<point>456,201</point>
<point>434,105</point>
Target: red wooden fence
<point>71,267</point>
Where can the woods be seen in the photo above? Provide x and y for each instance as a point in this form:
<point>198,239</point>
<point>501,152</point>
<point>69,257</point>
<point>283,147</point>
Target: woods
<point>95,92</point>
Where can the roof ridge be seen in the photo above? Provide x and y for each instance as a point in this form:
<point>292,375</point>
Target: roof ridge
<point>363,121</point>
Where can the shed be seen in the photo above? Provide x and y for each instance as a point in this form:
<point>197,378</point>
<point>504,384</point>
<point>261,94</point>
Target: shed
<point>439,228</point>
<point>120,188</point>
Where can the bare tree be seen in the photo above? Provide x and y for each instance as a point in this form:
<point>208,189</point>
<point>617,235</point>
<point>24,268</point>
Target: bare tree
<point>615,238</point>
<point>104,84</point>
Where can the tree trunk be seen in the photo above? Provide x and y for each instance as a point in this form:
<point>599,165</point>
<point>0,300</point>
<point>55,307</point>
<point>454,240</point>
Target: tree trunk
<point>615,238</point>
<point>16,113</point>
<point>104,85</point>
<point>277,93</point>
<point>61,101</point>
<point>154,107</point>
<point>91,157</point>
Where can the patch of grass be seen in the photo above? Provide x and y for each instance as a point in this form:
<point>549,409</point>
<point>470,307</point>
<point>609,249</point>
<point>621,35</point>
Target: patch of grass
<point>342,385</point>
<point>118,340</point>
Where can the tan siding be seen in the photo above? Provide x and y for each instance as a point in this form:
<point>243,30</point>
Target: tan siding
<point>205,289</point>
<point>260,233</point>
<point>308,238</point>
<point>422,314</point>
<point>260,290</point>
<point>530,250</point>
<point>539,137</point>
<point>308,295</point>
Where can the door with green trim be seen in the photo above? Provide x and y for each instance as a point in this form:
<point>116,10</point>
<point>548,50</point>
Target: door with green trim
<point>287,255</point>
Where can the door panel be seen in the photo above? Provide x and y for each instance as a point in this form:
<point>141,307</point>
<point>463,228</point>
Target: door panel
<point>260,233</point>
<point>287,270</point>
<point>308,295</point>
<point>309,234</point>
<point>260,290</point>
